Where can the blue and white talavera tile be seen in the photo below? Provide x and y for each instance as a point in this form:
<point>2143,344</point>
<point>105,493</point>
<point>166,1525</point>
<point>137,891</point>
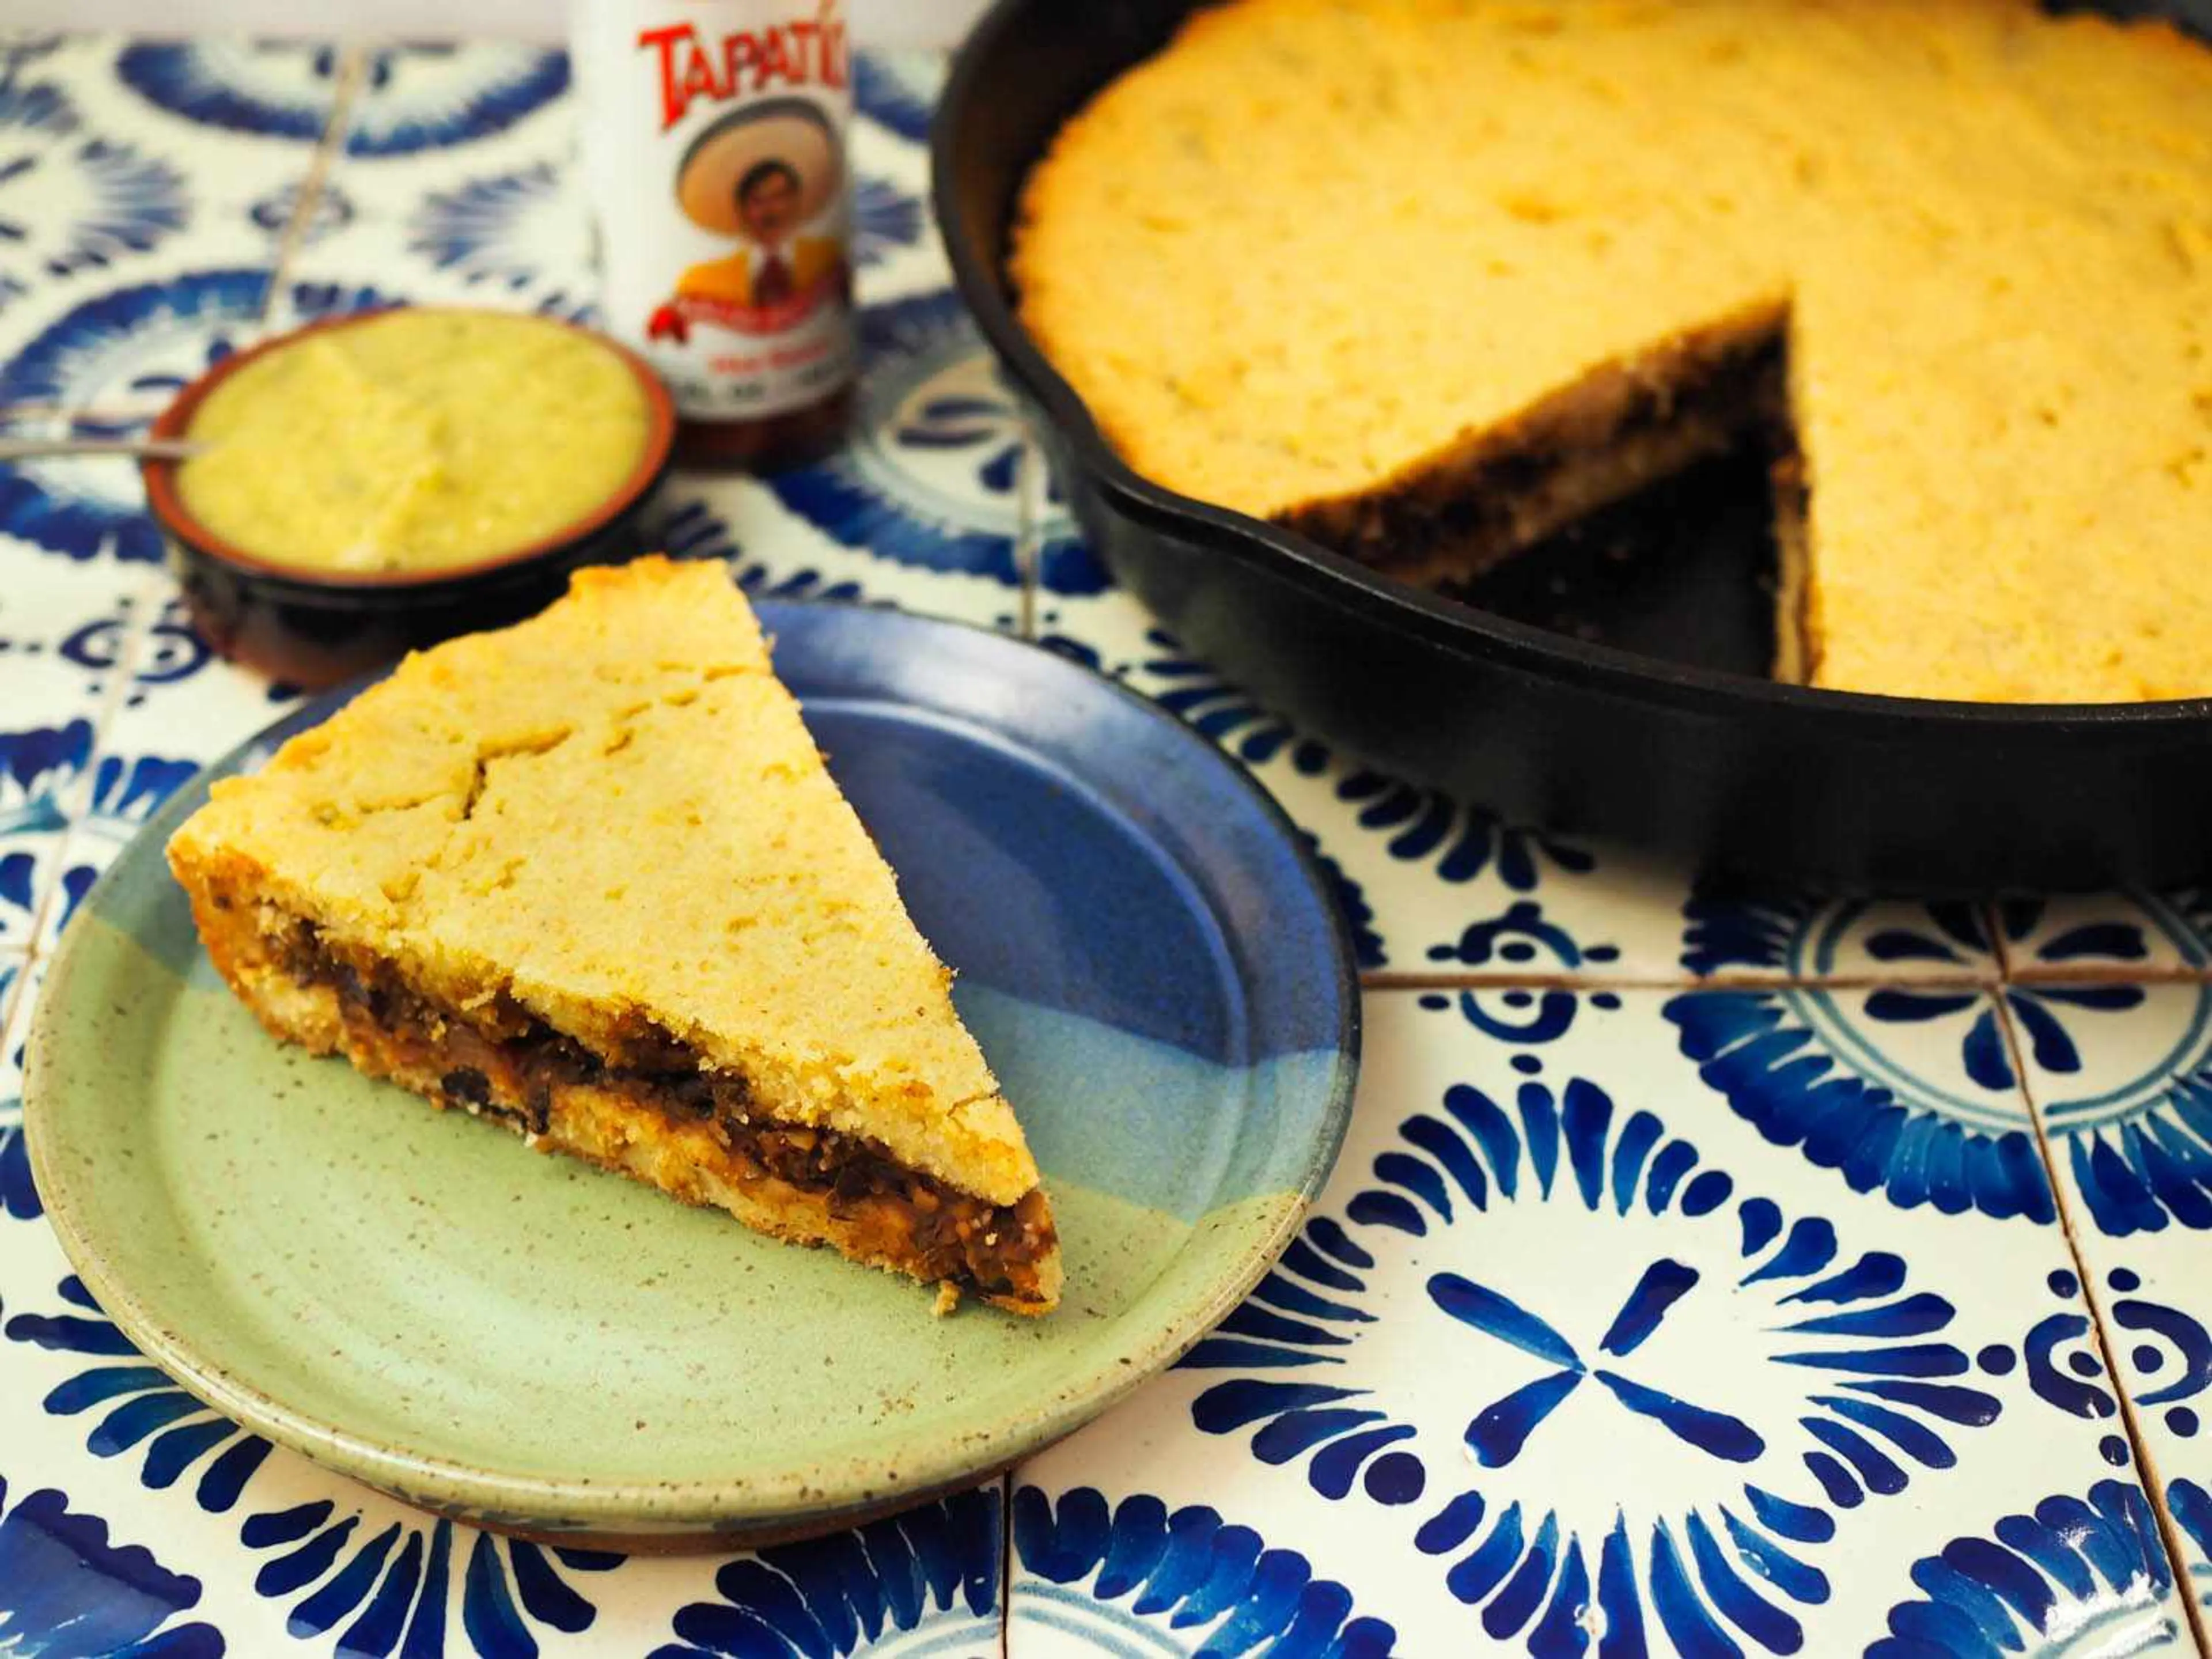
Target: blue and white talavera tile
<point>272,1555</point>
<point>20,979</point>
<point>137,248</point>
<point>411,98</point>
<point>1065,566</point>
<point>177,708</point>
<point>1909,1091</point>
<point>2130,1126</point>
<point>2121,1077</point>
<point>1571,1357</point>
<point>102,176</point>
<point>1430,886</point>
<point>494,212</point>
<point>66,1587</point>
<point>65,632</point>
<point>2108,935</point>
<point>897,91</point>
<point>401,99</point>
<point>896,250</point>
<point>920,509</point>
<point>455,182</point>
<point>100,360</point>
<point>929,480</point>
<point>2155,1300</point>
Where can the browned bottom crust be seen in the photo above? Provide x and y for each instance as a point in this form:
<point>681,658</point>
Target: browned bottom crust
<point>650,1112</point>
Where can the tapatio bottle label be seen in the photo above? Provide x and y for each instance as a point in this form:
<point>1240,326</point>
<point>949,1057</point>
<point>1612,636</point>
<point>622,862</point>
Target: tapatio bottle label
<point>714,156</point>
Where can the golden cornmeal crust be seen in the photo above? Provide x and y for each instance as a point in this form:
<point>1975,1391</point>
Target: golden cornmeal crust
<point>608,822</point>
<point>1321,259</point>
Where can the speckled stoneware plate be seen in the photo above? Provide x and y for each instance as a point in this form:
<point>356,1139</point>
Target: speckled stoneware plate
<point>1146,953</point>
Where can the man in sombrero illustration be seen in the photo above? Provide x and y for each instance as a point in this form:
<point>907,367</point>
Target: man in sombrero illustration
<point>768,176</point>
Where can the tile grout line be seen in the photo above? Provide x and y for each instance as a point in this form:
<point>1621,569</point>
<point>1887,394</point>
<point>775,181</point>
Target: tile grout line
<point>2119,974</point>
<point>1991,911</point>
<point>18,988</point>
<point>1027,476</point>
<point>1386,980</point>
<point>2177,1558</point>
<point>1394,980</point>
<point>328,145</point>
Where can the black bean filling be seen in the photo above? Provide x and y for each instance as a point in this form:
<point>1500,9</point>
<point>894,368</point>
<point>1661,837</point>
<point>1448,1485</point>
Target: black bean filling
<point>955,1235</point>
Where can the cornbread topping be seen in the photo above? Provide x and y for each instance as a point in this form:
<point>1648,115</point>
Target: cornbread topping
<point>636,923</point>
<point>414,440</point>
<point>1428,279</point>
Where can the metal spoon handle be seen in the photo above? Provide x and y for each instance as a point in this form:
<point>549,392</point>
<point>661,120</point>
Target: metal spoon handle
<point>154,449</point>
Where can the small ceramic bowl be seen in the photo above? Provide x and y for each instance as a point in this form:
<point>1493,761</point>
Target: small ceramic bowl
<point>315,629</point>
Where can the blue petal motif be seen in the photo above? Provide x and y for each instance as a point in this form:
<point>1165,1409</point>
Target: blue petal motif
<point>2141,1152</point>
<point>1193,691</point>
<point>2191,1505</point>
<point>1485,1310</point>
<point>392,1583</point>
<point>134,342</point>
<point>1880,1393</point>
<point>35,766</point>
<point>1187,1571</point>
<point>1459,843</point>
<point>932,1571</point>
<point>927,480</point>
<point>272,88</point>
<point>67,1593</point>
<point>125,792</point>
<point>491,232</point>
<point>118,201</point>
<point>1801,935</point>
<point>882,94</point>
<point>1799,1064</point>
<point>414,98</point>
<point>431,96</point>
<point>2092,1574</point>
<point>884,219</point>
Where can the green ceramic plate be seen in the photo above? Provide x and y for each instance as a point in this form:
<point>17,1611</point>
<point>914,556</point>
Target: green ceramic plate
<point>416,1298</point>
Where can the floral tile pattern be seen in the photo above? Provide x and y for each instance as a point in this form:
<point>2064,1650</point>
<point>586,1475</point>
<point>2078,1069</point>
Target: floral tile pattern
<point>142,215</point>
<point>116,154</point>
<point>2117,935</point>
<point>63,632</point>
<point>2130,1136</point>
<point>455,183</point>
<point>2120,1076</point>
<point>1830,1422</point>
<point>20,977</point>
<point>1700,1277</point>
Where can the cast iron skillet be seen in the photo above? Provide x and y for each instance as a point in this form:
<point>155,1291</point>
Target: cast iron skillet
<point>1697,756</point>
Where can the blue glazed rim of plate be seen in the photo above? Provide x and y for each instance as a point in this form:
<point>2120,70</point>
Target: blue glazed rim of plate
<point>880,655</point>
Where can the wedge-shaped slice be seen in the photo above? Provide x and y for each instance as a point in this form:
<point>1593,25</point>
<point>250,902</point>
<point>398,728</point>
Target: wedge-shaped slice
<point>588,877</point>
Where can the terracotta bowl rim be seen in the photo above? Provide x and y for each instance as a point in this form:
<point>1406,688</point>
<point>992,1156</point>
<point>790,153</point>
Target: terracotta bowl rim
<point>166,503</point>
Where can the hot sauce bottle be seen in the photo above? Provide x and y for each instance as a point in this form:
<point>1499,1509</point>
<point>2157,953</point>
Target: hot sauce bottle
<point>713,157</point>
